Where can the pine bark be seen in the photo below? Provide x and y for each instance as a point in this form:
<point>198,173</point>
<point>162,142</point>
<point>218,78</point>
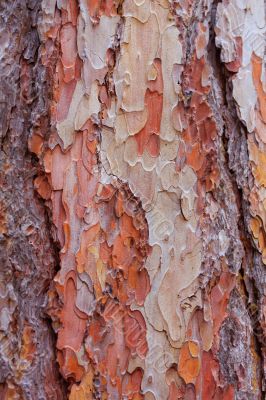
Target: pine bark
<point>133,212</point>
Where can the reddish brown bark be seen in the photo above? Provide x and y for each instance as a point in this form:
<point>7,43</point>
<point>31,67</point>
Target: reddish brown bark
<point>133,157</point>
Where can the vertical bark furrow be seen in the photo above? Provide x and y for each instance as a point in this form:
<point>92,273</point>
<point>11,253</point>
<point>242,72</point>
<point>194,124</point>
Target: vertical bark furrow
<point>28,257</point>
<point>241,36</point>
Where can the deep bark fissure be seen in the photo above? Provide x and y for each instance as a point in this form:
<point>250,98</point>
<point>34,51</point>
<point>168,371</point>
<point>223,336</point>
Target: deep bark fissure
<point>28,252</point>
<point>249,286</point>
<point>250,252</point>
<point>250,289</point>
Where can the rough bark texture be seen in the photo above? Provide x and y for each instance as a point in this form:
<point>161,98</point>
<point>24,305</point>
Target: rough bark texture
<point>133,209</point>
<point>28,256</point>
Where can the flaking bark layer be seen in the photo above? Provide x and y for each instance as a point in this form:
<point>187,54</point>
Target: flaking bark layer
<point>151,155</point>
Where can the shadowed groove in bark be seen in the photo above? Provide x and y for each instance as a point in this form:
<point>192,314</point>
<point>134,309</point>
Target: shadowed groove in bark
<point>252,256</point>
<point>29,256</point>
<point>236,162</point>
<point>232,185</point>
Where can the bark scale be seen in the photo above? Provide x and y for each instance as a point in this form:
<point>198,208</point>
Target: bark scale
<point>141,125</point>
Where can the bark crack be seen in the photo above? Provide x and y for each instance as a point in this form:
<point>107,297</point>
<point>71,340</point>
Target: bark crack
<point>236,163</point>
<point>28,367</point>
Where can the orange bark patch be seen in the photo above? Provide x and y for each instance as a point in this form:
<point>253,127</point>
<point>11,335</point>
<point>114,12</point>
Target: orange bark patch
<point>28,347</point>
<point>69,365</point>
<point>257,70</point>
<point>206,383</point>
<point>219,299</point>
<point>195,74</point>
<point>135,333</point>
<point>66,93</point>
<point>35,144</point>
<point>259,163</point>
<point>189,362</point>
<point>73,321</point>
<point>195,157</point>
<point>132,385</point>
<point>255,225</point>
<point>84,391</point>
<point>42,186</point>
<point>101,7</point>
<point>155,77</point>
<point>68,36</point>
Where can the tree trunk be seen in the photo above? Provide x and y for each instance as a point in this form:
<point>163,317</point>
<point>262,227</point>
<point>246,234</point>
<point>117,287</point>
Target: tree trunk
<point>133,204</point>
